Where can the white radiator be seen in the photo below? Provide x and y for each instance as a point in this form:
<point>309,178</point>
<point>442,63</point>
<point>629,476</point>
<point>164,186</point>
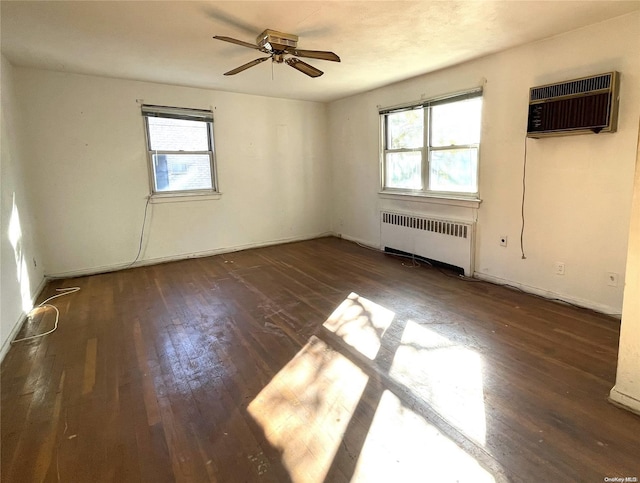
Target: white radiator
<point>446,241</point>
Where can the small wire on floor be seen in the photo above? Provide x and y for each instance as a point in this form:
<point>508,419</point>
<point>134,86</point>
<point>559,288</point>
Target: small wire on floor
<point>459,276</point>
<point>45,304</point>
<point>369,248</point>
<point>414,263</point>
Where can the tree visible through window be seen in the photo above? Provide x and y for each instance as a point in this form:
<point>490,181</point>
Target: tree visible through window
<point>432,147</point>
<point>180,145</point>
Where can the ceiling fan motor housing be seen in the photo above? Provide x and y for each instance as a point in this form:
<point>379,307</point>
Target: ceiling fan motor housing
<point>274,40</point>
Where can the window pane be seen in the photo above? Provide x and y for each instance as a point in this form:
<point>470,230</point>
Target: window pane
<point>454,170</point>
<point>175,172</point>
<point>178,135</point>
<point>405,129</point>
<point>456,123</point>
<point>403,170</point>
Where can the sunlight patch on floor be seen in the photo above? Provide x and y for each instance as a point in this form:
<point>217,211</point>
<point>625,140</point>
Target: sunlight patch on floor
<point>447,376</point>
<point>403,446</point>
<point>361,323</point>
<point>306,408</point>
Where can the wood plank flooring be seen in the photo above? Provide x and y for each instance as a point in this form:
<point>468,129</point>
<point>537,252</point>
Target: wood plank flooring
<point>309,362</point>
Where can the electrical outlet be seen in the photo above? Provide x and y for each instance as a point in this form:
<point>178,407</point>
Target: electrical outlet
<point>612,279</point>
<point>558,268</point>
<point>503,241</point>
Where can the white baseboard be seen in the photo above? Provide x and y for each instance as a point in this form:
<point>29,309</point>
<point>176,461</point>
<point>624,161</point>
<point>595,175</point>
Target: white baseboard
<point>587,304</point>
<point>182,256</point>
<point>359,241</point>
<point>6,344</point>
<point>624,401</point>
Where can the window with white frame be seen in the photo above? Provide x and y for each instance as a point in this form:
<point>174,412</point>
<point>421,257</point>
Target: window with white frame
<point>181,150</point>
<point>431,147</point>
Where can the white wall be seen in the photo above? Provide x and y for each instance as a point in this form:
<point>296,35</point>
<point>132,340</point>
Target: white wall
<point>627,389</point>
<point>88,172</point>
<point>578,188</point>
<point>21,279</point>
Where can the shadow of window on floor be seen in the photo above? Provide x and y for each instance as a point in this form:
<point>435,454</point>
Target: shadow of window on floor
<point>375,398</point>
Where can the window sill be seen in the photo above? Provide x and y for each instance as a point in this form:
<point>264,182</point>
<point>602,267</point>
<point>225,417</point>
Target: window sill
<point>181,197</point>
<point>430,198</point>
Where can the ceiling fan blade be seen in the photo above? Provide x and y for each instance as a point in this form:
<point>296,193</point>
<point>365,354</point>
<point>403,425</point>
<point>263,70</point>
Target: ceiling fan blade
<point>219,15</point>
<point>315,54</point>
<point>237,42</point>
<point>246,66</point>
<point>305,68</point>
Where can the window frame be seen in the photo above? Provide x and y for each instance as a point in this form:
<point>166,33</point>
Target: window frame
<point>180,113</point>
<point>427,149</point>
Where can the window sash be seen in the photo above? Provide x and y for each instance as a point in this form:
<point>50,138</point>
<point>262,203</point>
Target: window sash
<point>163,151</point>
<point>455,146</point>
<point>460,96</point>
<point>177,113</point>
<point>426,149</point>
<point>457,173</point>
<point>169,174</point>
<point>422,166</point>
<point>183,114</point>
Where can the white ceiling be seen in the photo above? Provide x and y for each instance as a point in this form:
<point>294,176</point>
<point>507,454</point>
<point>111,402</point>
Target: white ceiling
<point>379,42</point>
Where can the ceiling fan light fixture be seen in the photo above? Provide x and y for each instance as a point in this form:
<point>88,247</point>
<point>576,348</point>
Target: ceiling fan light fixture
<point>274,40</point>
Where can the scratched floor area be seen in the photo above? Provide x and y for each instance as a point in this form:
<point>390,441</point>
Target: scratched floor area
<point>311,362</point>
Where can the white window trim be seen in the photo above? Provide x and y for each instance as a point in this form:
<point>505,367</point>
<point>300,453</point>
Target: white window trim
<point>468,199</point>
<point>439,199</point>
<point>180,195</point>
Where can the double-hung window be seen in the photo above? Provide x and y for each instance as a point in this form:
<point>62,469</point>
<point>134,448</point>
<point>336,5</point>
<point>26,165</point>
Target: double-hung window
<point>431,147</point>
<point>181,151</point>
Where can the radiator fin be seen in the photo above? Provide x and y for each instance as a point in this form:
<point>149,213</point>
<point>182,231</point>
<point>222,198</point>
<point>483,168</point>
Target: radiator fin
<point>450,228</point>
<point>447,241</point>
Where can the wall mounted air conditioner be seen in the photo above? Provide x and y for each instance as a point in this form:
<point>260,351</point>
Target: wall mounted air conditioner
<point>578,106</point>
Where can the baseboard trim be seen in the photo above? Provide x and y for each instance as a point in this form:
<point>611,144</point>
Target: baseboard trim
<point>6,344</point>
<point>183,256</point>
<point>624,401</point>
<point>547,294</point>
<point>364,243</point>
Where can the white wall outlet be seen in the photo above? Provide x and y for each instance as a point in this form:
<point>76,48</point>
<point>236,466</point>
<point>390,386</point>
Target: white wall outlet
<point>503,241</point>
<point>558,268</point>
<point>612,279</point>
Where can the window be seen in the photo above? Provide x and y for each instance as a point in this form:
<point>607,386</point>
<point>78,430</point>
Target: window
<point>180,147</point>
<point>432,147</point>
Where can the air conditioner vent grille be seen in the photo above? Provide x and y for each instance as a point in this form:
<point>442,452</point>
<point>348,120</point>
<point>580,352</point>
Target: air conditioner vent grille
<point>578,86</point>
<point>576,106</point>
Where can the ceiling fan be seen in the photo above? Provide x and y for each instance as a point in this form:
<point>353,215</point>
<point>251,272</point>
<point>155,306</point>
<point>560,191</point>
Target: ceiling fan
<point>278,45</point>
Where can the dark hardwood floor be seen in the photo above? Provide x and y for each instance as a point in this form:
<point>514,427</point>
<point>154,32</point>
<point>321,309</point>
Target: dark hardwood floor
<point>309,362</point>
